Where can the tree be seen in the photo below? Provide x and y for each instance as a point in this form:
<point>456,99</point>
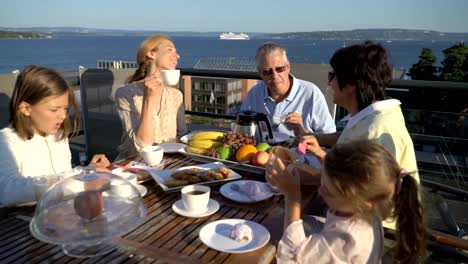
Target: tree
<point>424,69</point>
<point>455,64</point>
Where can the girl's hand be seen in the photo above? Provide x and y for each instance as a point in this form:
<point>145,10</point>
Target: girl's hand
<point>100,162</point>
<point>153,82</point>
<point>313,146</point>
<point>284,179</point>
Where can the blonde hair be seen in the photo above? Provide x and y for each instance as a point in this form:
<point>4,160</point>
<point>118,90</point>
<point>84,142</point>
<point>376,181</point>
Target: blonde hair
<point>150,44</point>
<point>363,172</point>
<point>34,83</point>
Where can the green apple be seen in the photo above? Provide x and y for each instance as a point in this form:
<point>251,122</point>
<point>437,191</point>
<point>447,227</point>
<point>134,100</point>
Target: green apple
<point>262,146</point>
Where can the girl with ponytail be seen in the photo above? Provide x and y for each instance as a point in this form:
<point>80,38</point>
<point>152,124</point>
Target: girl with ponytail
<point>362,184</point>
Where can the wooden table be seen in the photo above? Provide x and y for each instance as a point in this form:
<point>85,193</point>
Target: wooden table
<point>165,237</point>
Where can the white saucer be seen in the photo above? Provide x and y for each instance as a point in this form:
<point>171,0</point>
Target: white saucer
<point>142,189</point>
<point>179,208</point>
<point>172,147</point>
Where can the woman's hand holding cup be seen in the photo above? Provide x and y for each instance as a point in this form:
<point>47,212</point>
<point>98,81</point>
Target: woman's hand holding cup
<point>153,83</point>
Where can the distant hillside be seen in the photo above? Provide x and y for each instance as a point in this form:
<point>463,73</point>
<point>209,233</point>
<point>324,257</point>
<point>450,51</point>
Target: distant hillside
<point>358,34</point>
<point>375,34</point>
<point>20,35</point>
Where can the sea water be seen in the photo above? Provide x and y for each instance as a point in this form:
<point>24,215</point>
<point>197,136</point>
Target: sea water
<point>67,53</point>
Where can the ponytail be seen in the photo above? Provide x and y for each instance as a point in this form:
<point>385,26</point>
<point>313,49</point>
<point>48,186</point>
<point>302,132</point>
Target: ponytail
<point>411,227</point>
<point>139,74</point>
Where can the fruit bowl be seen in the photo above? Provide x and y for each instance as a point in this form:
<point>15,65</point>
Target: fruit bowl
<point>87,213</point>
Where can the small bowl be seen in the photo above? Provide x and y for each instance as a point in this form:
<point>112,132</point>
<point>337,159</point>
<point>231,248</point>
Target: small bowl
<point>152,154</point>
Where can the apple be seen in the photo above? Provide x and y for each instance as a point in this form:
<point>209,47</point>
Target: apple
<point>260,158</point>
<point>88,204</point>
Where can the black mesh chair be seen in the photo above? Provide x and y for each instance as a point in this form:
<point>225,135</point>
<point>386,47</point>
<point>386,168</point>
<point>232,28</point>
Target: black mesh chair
<point>7,84</point>
<point>101,124</point>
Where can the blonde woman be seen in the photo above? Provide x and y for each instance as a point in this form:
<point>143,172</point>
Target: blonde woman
<point>151,113</point>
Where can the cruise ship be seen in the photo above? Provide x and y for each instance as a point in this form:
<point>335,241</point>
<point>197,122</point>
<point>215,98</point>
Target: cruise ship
<point>234,36</point>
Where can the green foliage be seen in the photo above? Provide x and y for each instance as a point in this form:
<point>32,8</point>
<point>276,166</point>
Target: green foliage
<point>455,64</point>
<point>424,69</point>
<point>20,35</point>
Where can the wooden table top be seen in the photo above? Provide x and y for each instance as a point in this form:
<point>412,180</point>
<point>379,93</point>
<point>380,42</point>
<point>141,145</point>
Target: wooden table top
<point>165,237</point>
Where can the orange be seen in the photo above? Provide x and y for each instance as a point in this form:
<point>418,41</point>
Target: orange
<point>246,152</point>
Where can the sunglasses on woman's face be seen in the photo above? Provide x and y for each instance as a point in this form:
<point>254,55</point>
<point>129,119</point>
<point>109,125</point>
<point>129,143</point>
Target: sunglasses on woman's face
<point>269,72</point>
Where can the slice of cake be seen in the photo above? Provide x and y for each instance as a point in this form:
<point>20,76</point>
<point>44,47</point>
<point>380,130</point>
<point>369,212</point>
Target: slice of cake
<point>241,233</point>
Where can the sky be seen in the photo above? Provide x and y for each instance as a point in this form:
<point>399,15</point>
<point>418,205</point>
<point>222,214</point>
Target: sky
<point>269,16</point>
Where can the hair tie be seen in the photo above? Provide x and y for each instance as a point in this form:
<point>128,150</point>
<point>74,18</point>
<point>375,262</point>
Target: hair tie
<point>403,173</point>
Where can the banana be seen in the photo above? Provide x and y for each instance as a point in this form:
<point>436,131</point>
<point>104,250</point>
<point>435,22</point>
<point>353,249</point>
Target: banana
<point>211,135</point>
<point>205,144</point>
<point>195,150</point>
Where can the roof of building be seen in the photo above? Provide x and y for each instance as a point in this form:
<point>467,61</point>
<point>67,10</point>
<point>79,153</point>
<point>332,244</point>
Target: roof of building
<point>226,64</point>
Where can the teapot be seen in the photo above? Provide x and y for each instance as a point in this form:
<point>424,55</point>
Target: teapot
<point>248,122</point>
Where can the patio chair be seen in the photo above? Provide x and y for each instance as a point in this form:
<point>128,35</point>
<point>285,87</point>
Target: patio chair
<point>7,83</point>
<point>101,123</point>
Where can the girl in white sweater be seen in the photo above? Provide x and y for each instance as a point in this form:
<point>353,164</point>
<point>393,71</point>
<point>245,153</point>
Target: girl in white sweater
<point>36,142</point>
<point>361,182</point>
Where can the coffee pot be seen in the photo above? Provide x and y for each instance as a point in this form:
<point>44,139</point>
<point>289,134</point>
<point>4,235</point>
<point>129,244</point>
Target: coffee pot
<point>248,122</point>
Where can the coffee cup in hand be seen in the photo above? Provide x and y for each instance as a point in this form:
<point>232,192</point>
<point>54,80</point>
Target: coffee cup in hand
<point>170,77</point>
<point>195,198</point>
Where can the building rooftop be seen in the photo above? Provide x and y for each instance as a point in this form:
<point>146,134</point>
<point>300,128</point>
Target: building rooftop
<point>226,64</point>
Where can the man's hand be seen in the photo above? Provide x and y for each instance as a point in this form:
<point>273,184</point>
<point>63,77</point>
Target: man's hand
<point>294,122</point>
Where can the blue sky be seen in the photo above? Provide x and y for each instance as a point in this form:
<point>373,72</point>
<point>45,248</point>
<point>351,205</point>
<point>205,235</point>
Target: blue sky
<point>238,15</point>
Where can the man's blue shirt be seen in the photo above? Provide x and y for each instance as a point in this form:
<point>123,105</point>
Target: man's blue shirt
<point>305,98</point>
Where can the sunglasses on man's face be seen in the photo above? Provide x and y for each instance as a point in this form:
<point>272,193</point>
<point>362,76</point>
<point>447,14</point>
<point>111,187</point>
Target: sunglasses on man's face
<point>331,75</point>
<point>269,72</point>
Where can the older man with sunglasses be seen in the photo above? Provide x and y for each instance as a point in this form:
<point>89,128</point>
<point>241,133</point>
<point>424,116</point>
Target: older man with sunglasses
<point>294,106</point>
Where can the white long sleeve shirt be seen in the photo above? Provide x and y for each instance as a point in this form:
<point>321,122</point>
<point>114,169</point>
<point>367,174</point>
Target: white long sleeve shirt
<point>340,240</point>
<point>22,160</point>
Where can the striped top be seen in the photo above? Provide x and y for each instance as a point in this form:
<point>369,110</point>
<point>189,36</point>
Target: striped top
<point>169,124</point>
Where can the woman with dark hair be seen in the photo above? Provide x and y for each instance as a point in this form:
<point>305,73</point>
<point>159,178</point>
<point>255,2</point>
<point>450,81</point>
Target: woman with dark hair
<point>36,142</point>
<point>357,82</point>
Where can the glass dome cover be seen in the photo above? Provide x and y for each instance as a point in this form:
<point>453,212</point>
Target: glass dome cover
<point>86,212</point>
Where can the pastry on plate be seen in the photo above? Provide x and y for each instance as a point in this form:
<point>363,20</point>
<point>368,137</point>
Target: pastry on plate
<point>241,233</point>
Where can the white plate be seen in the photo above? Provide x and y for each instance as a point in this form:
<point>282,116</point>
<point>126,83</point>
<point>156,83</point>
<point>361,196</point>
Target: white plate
<point>230,163</point>
<point>161,176</point>
<point>179,208</point>
<point>216,235</point>
<point>172,147</point>
<point>229,193</point>
<point>278,137</point>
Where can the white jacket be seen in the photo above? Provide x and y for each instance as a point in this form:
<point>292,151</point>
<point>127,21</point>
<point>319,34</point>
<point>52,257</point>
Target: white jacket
<point>22,160</point>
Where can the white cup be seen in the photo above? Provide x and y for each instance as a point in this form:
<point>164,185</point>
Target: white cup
<point>152,155</point>
<point>170,77</point>
<point>195,198</point>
